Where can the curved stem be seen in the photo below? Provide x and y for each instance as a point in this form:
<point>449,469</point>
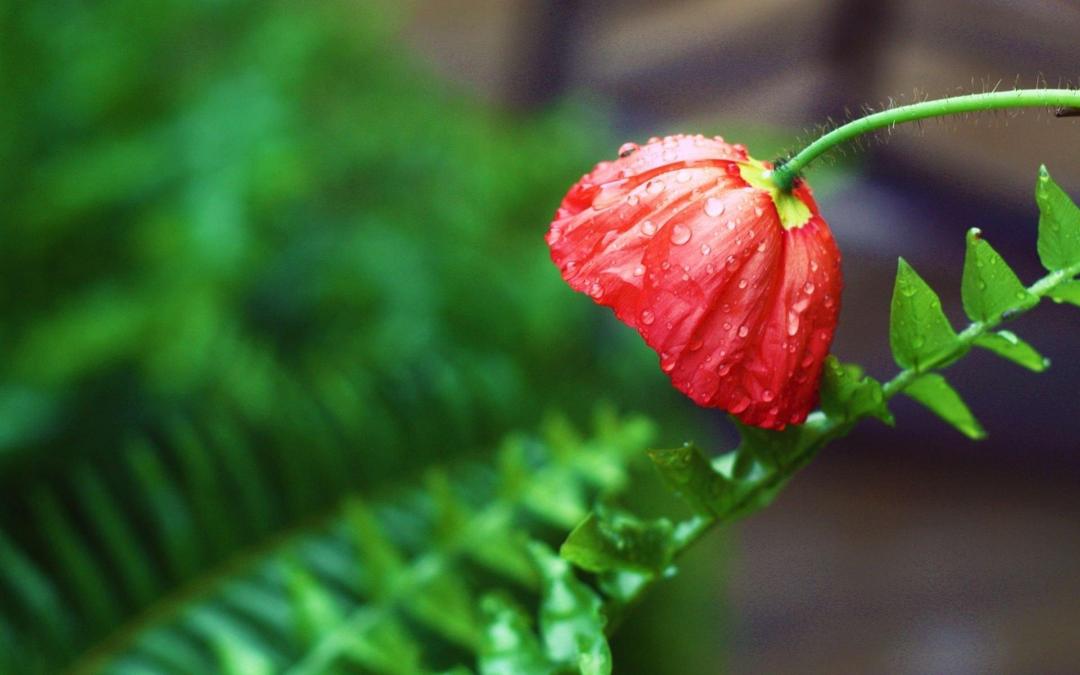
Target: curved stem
<point>785,173</point>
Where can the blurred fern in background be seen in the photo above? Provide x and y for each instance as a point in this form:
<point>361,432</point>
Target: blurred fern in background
<point>256,262</point>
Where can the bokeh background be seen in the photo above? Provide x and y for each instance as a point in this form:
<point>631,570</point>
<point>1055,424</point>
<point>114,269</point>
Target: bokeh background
<point>307,240</point>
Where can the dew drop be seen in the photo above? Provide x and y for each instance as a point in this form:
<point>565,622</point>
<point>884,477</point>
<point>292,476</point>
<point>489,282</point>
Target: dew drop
<point>758,211</point>
<point>665,265</point>
<point>648,228</point>
<point>808,287</point>
<point>767,396</point>
<point>727,325</point>
<point>639,271</point>
<point>724,370</point>
<point>743,331</point>
<point>695,345</point>
<point>683,176</point>
<point>667,364</point>
<point>813,266</point>
<point>714,208</point>
<point>731,224</point>
<point>792,323</point>
<point>705,250</point>
<point>680,234</point>
<point>627,149</point>
<point>647,317</point>
<point>740,405</point>
<point>655,186</point>
<point>596,290</point>
<point>761,247</point>
<point>743,283</point>
<point>632,200</point>
<point>731,261</point>
<point>710,269</point>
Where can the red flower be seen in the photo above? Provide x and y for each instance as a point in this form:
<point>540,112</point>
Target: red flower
<point>735,284</point>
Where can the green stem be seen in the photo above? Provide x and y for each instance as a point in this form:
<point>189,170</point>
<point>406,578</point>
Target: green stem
<point>785,173</point>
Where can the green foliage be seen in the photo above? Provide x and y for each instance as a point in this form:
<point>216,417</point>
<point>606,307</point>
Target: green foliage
<point>989,286</point>
<point>610,539</point>
<point>935,393</point>
<point>1066,292</point>
<point>1059,225</point>
<point>257,262</point>
<point>850,394</point>
<point>748,478</point>
<point>919,333</point>
<point>1007,345</point>
<point>390,585</point>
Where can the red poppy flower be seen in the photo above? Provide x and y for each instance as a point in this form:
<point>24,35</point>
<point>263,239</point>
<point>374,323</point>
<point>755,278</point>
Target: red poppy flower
<point>735,284</point>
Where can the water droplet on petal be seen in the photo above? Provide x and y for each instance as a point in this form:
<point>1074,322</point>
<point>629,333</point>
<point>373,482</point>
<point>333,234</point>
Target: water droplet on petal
<point>740,405</point>
<point>761,247</point>
<point>647,317</point>
<point>627,149</point>
<point>683,176</point>
<point>655,186</point>
<point>667,364</point>
<point>665,265</point>
<point>632,200</point>
<point>758,211</point>
<point>714,207</point>
<point>648,228</point>
<point>639,271</point>
<point>808,287</point>
<point>792,323</point>
<point>680,234</point>
<point>705,250</point>
<point>731,224</point>
<point>743,331</point>
<point>767,395</point>
<point>743,283</point>
<point>813,266</point>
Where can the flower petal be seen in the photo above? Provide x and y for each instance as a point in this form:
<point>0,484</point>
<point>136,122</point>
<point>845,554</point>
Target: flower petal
<point>740,309</point>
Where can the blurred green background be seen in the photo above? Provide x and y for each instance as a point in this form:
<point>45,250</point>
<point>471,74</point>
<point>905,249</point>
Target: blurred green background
<point>256,260</point>
<point>265,259</point>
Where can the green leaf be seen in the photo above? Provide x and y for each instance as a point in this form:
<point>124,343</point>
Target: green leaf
<point>849,394</point>
<point>935,393</point>
<point>1068,291</point>
<point>1007,345</point>
<point>918,329</point>
<point>989,285</point>
<point>510,647</point>
<point>1059,225</point>
<point>688,473</point>
<point>570,616</point>
<point>610,540</point>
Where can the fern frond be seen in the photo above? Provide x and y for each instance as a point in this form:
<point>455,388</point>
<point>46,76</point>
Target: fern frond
<point>389,584</point>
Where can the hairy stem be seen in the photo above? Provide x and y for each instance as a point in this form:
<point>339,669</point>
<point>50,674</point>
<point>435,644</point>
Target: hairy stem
<point>786,172</point>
